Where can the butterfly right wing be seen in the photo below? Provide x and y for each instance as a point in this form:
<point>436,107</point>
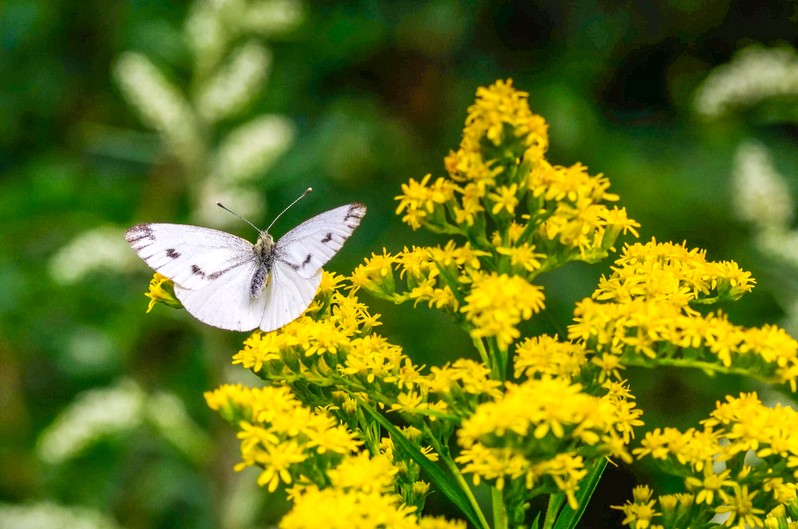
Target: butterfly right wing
<point>191,256</point>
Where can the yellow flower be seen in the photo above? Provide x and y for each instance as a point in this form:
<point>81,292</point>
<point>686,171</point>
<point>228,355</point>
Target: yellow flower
<point>373,358</point>
<point>419,200</point>
<point>417,264</point>
<point>234,402</point>
<point>435,522</point>
<point>709,486</point>
<point>546,356</point>
<point>522,256</point>
<point>162,290</point>
<point>364,473</point>
<point>533,430</point>
<point>498,303</point>
<point>740,506</point>
<point>498,105</point>
<point>640,512</point>
<point>376,274</point>
<point>334,508</point>
<point>463,376</point>
<point>468,257</point>
<point>504,198</point>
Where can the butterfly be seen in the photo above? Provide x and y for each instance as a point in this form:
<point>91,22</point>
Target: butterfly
<point>230,283</point>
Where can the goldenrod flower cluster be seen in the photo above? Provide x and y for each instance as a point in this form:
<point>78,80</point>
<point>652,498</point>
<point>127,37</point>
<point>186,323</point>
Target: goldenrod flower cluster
<point>540,431</point>
<point>287,440</point>
<point>742,463</point>
<point>518,214</point>
<point>646,313</point>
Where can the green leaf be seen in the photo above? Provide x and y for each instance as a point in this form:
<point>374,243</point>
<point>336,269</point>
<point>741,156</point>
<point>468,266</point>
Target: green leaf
<point>569,517</point>
<point>443,481</point>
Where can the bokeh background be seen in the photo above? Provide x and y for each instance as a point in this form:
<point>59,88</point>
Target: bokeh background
<point>119,112</point>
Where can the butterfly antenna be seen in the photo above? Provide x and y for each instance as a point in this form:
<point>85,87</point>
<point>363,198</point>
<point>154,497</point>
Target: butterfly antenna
<point>236,214</point>
<point>300,197</point>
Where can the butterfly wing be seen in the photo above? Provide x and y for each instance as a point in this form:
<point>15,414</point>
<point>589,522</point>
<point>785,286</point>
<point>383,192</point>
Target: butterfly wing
<point>287,296</point>
<point>191,256</point>
<point>309,246</point>
<point>212,271</point>
<point>226,302</point>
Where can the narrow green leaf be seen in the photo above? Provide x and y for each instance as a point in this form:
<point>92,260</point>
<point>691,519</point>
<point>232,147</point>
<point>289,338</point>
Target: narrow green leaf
<point>443,481</point>
<point>568,518</point>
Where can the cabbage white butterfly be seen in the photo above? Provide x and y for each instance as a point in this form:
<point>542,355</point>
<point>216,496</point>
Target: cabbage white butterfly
<point>227,282</point>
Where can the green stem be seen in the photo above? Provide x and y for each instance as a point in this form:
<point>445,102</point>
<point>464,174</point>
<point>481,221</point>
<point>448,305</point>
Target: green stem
<point>497,360</point>
<point>708,367</point>
<point>443,453</point>
<point>555,503</point>
<point>499,509</point>
<point>483,353</point>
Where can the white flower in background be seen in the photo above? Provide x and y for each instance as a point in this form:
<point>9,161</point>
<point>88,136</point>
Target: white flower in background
<point>781,245</point>
<point>236,84</point>
<point>762,198</point>
<point>272,17</point>
<point>101,413</point>
<point>94,415</point>
<point>761,195</point>
<point>160,104</point>
<point>205,34</point>
<point>47,515</point>
<point>753,75</point>
<point>88,350</point>
<point>167,414</point>
<point>245,201</point>
<point>251,149</point>
<point>227,77</point>
<point>101,249</point>
<point>213,24</point>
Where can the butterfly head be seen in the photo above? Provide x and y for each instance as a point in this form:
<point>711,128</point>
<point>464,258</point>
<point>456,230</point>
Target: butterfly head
<point>264,245</point>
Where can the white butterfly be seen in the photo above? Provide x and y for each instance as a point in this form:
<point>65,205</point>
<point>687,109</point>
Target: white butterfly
<point>228,282</point>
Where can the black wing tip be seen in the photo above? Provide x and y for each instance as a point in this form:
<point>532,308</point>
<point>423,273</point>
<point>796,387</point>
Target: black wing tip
<point>138,232</point>
<point>356,209</point>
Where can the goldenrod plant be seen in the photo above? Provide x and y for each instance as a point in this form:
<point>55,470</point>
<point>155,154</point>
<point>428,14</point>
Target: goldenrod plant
<point>360,435</point>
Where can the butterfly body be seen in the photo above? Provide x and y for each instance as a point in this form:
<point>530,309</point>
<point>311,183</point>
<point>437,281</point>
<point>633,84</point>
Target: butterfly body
<point>264,252</point>
<point>228,282</point>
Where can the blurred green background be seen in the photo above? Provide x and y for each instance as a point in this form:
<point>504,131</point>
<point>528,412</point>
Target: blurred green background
<point>119,112</point>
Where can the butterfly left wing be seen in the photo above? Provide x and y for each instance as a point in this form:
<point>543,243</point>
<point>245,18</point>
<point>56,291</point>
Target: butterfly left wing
<point>191,256</point>
<point>287,296</point>
<point>309,246</point>
<point>226,302</point>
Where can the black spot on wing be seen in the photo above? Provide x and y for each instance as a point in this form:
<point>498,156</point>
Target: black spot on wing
<point>308,257</point>
<point>196,270</point>
<point>172,253</point>
<point>327,238</point>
